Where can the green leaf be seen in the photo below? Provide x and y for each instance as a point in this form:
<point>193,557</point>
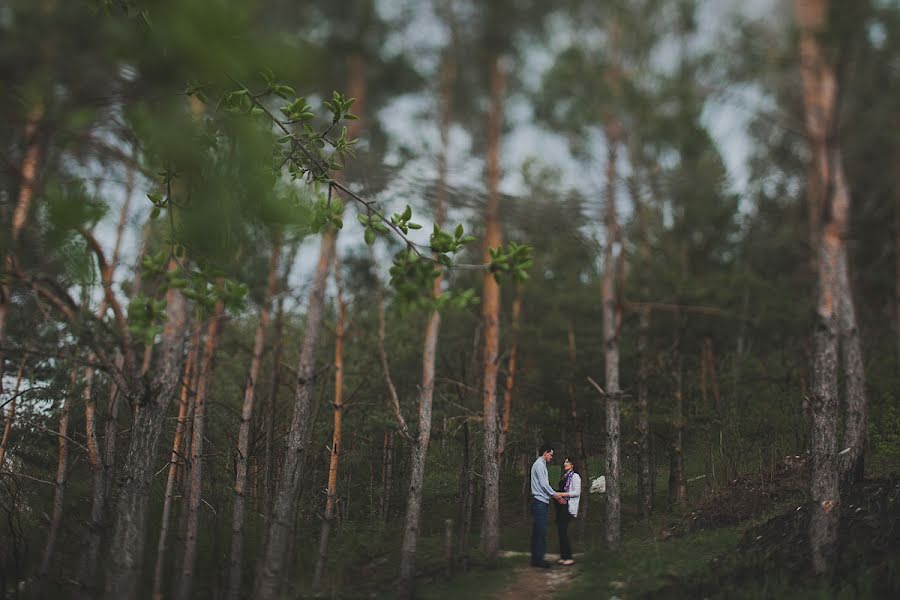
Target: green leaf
<point>407,214</point>
<point>155,212</point>
<point>459,231</point>
<point>370,236</point>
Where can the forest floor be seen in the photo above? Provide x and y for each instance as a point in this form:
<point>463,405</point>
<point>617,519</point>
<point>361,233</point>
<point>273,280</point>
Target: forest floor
<point>529,583</point>
<point>748,539</point>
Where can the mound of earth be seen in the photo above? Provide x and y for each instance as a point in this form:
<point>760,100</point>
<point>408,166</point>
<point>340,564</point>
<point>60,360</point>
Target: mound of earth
<point>746,498</point>
<point>773,559</point>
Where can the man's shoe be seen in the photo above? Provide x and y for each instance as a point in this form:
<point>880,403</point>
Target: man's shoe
<point>541,565</point>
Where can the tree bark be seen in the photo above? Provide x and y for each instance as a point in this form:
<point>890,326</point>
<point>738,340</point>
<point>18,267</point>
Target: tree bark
<point>387,475</point>
<point>852,463</point>
<point>612,319</point>
<point>243,446</point>
<point>10,416</point>
<point>420,451</point>
<point>129,530</point>
<point>273,552</point>
<point>835,314</point>
<point>176,457</point>
<point>27,188</point>
<point>271,568</point>
<point>59,487</point>
<point>897,258</point>
<point>645,487</point>
<point>336,443</point>
<point>677,482</point>
<point>511,373</point>
<point>99,471</point>
<point>419,447</point>
<point>186,581</point>
<point>490,302</point>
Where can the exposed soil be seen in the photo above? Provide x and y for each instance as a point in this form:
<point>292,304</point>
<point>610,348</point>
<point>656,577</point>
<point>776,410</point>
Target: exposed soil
<point>775,556</point>
<point>748,497</point>
<point>531,583</point>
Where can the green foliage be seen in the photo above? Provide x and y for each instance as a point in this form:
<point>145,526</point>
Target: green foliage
<point>514,259</point>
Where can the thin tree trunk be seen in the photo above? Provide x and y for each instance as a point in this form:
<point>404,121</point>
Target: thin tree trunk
<point>175,458</point>
<point>186,581</point>
<point>677,482</point>
<point>277,351</point>
<point>336,443</point>
<point>27,188</point>
<point>10,415</point>
<point>59,488</point>
<point>490,301</point>
<point>243,446</point>
<point>98,469</point>
<point>129,531</point>
<point>645,487</point>
<point>30,162</point>
<point>271,568</point>
<point>419,447</point>
<point>897,254</point>
<point>510,372</point>
<point>577,425</point>
<point>612,318</point>
<point>387,475</point>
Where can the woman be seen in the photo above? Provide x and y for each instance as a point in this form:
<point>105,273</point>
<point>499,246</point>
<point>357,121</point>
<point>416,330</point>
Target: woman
<point>567,509</point>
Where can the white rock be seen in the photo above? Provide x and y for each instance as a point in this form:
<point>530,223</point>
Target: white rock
<point>599,485</point>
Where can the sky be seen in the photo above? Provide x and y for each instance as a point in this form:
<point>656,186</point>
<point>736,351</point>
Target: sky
<point>727,116</point>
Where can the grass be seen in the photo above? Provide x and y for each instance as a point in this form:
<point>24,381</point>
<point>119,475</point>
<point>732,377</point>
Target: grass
<point>644,564</point>
<point>474,584</point>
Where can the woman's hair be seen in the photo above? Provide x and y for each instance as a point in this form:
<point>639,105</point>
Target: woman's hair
<point>574,464</point>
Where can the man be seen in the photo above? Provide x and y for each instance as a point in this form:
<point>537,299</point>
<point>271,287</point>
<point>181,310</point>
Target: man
<point>541,492</point>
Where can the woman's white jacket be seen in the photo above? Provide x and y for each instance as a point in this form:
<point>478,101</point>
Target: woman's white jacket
<point>574,494</point>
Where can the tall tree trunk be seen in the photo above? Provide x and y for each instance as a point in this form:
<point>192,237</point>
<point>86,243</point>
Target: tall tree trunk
<point>336,443</point>
<point>271,568</point>
<point>897,256</point>
<point>10,415</point>
<point>186,581</point>
<point>420,450</point>
<point>490,301</point>
<point>645,487</point>
<point>130,522</point>
<point>176,457</point>
<point>387,475</point>
<point>59,487</point>
<point>27,187</point>
<point>851,464</point>
<point>272,409</point>
<point>612,319</point>
<point>834,308</point>
<point>419,447</point>
<point>88,571</point>
<point>677,481</point>
<point>511,372</point>
<point>243,446</point>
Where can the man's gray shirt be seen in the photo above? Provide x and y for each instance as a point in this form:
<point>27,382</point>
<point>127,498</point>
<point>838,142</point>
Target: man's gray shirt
<point>540,484</point>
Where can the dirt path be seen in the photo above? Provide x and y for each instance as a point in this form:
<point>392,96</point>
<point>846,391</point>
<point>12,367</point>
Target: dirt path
<point>533,584</point>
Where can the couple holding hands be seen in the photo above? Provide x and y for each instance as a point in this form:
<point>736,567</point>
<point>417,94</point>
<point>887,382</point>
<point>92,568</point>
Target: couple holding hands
<point>566,500</point>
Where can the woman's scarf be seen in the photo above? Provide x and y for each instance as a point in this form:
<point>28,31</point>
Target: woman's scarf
<point>567,478</point>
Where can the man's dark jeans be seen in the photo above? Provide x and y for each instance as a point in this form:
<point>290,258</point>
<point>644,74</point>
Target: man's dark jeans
<point>538,530</point>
